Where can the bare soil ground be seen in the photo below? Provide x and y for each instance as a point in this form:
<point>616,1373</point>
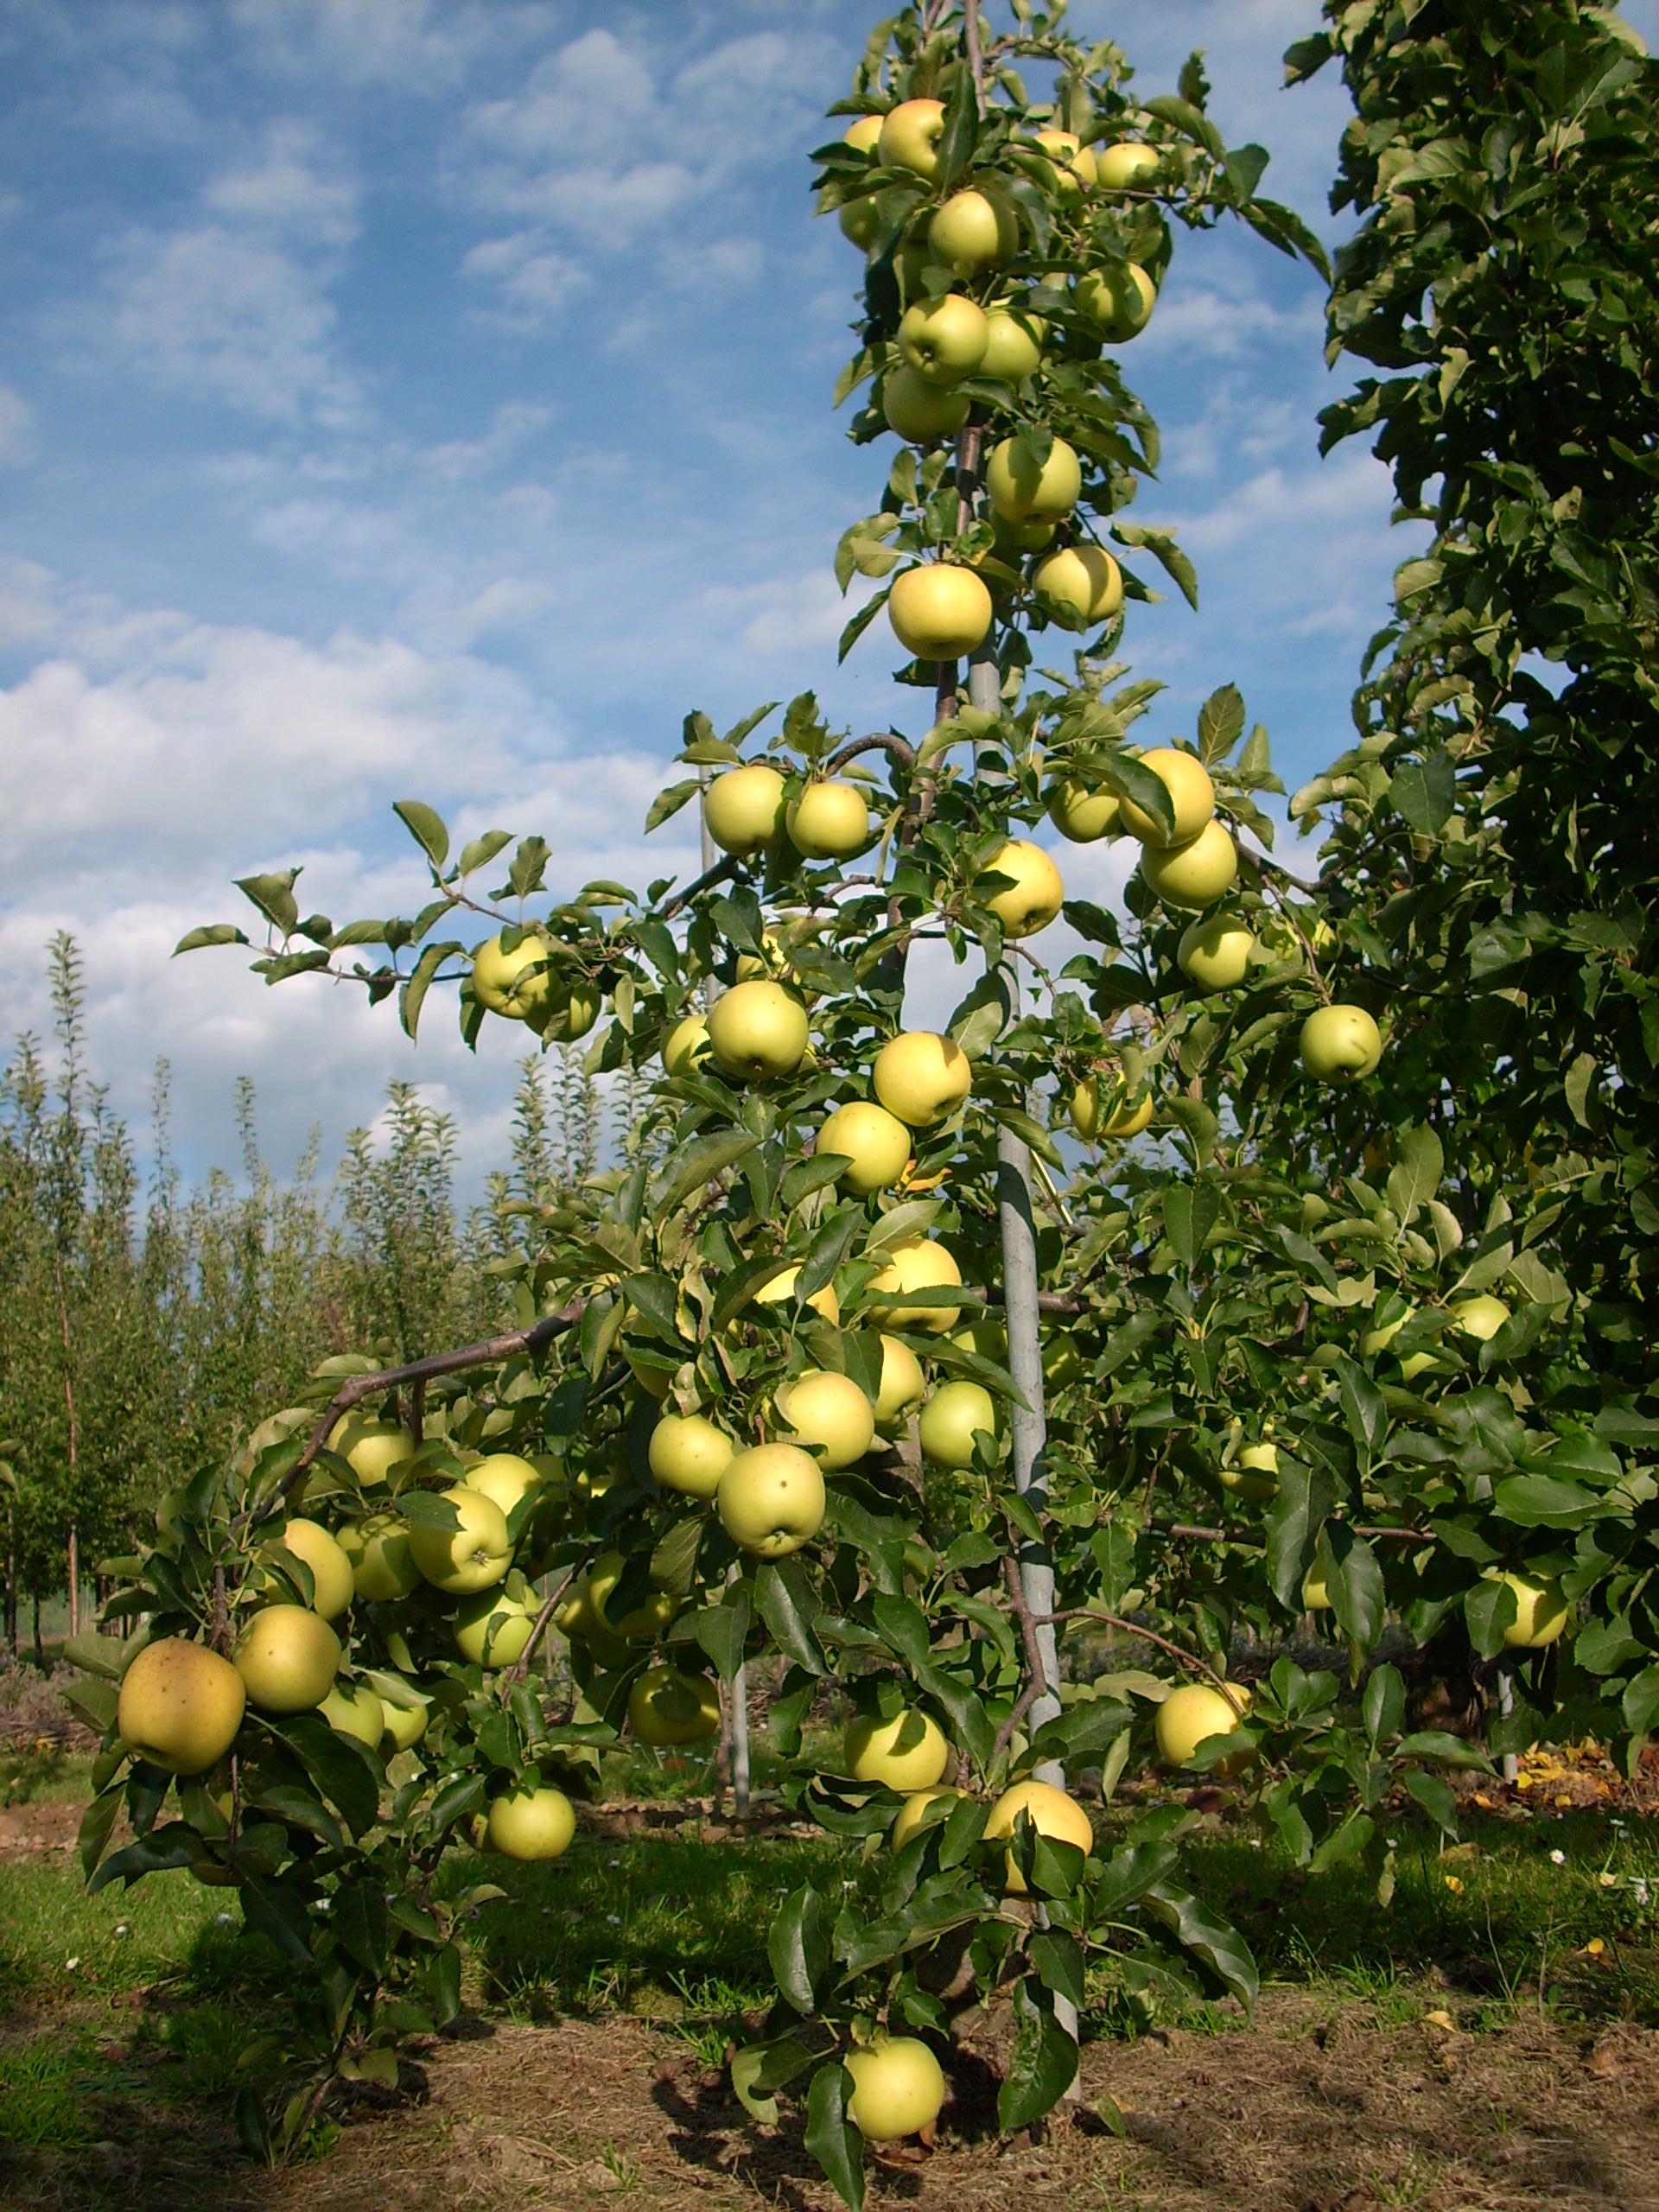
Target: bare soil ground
<point>1318,2109</point>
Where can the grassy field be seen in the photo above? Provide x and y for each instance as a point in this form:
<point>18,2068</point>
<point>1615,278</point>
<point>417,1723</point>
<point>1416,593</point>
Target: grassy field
<point>648,1940</point>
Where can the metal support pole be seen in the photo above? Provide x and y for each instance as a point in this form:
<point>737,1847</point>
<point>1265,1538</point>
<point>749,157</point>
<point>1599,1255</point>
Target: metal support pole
<point>1511,1764</point>
<point>737,1705</point>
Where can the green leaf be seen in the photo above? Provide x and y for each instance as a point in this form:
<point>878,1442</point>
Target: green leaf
<point>479,852</point>
<point>1416,1174</point>
<point>1384,1704</point>
<point>210,933</point>
<point>1057,1957</point>
<point>784,1601</point>
<point>1426,790</point>
<point>1305,1496</point>
<point>427,828</point>
<point>721,1629</point>
<point>760,2069</point>
<point>1191,1211</point>
<point>798,1947</point>
<point>695,1165</point>
<point>412,997</point>
<point>1216,1945</point>
<point>1546,1502</point>
<point>669,801</point>
<point>1161,544</point>
<point>1044,2064</point>
<point>274,896</point>
<point>831,2136</point>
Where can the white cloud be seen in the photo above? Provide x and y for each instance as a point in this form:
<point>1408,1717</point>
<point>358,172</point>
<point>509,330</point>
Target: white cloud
<point>531,283</point>
<point>287,191</point>
<point>16,427</point>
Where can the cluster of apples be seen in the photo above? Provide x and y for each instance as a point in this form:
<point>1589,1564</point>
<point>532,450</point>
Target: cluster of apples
<point>528,981</point>
<point>988,329</point>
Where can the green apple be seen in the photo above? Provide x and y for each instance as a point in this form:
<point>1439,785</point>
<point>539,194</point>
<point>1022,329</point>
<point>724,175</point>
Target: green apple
<point>1481,1317</point>
<point>758,1031</point>
<point>1541,1612</point>
<point>910,137</point>
<point>912,1814</point>
<point>642,1624</point>
<point>1034,896</point>
<point>492,1627</point>
<point>780,1291</point>
<point>288,1657</point>
<point>1013,542</point>
<point>353,1709</point>
<point>910,1264</point>
<point>830,821</point>
<point>179,1706</point>
<point>921,1078</point>
<point>686,1046</point>
<point>771,1499</point>
<point>875,1142</point>
<point>943,341</point>
<point>332,1588</point>
<point>371,1448</point>
<point>505,1476</point>
<point>939,611</point>
<point>1082,815</point>
<point>406,1724</point>
<point>570,1010</point>
<point>919,410</point>
<point>666,1708</point>
<point>902,1383</point>
<point>898,2087</point>
<point>828,1413</point>
<point>1216,953</point>
<point>1316,1598</point>
<point>973,232</point>
<point>859,220</point>
<point>1079,579</point>
<point>1193,795</point>
<point>1340,1044</point>
<point>744,809</point>
<point>474,1556</point>
<point>908,1753</point>
<point>1014,343</point>
<point>863,133</point>
<point>1254,1474</point>
<point>1117,301</point>
<point>1194,1711</point>
<point>957,1412</point>
<point>1021,489</point>
<point>1121,166</point>
<point>516,982</point>
<point>1051,1811</point>
<point>688,1453</point>
<point>1073,165</point>
<point>1193,876</point>
<point>531,1824</point>
<point>378,1548</point>
<point>1107,1110</point>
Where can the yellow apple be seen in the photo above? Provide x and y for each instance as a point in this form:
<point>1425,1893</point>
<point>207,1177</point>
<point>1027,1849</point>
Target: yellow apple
<point>1340,1044</point>
<point>667,1707</point>
<point>505,1476</point>
<point>531,1824</point>
<point>915,1263</point>
<point>331,1585</point>
<point>1124,164</point>
<point>688,1453</point>
<point>898,2087</point>
<point>1195,875</point>
<point>939,612</point>
<point>921,1078</point>
<point>352,1709</point>
<point>1194,1711</point>
<point>686,1046</point>
<point>1021,489</point>
<point>920,411</point>
<point>908,1753</point>
<point>1216,953</point>
<point>781,1291</point>
<point>830,821</point>
<point>828,1413</point>
<point>1316,1598</point>
<point>1014,343</point>
<point>912,1814</point>
<point>642,1624</point>
<point>516,982</point>
<point>943,341</point>
<point>1080,580</point>
<point>1117,301</point>
<point>371,1448</point>
<point>474,1556</point>
<point>492,1629</point>
<point>877,1144</point>
<point>1034,896</point>
<point>1120,1117</point>
<point>771,1499</point>
<point>1254,1474</point>
<point>1186,779</point>
<point>181,1706</point>
<point>572,1009</point>
<point>973,232</point>
<point>1481,1317</point>
<point>1051,1812</point>
<point>1082,815</point>
<point>288,1658</point>
<point>406,1724</point>
<point>910,137</point>
<point>957,1412</point>
<point>758,1030</point>
<point>1073,164</point>
<point>378,1548</point>
<point>1541,1612</point>
<point>902,1383</point>
<point>863,133</point>
<point>744,809</point>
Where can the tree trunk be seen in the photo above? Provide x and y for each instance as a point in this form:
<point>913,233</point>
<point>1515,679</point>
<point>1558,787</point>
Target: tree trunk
<point>74,1580</point>
<point>12,1643</point>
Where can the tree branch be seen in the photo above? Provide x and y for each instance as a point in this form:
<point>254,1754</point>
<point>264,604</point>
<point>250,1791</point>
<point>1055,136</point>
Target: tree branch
<point>897,748</point>
<point>1149,1636</point>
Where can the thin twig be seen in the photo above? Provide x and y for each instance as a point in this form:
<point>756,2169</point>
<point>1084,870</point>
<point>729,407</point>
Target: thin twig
<point>1149,1636</point>
<point>888,741</point>
<point>520,1667</point>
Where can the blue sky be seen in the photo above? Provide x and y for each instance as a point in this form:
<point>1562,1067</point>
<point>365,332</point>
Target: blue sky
<point>430,398</point>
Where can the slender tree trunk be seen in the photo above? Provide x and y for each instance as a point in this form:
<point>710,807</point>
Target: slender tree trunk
<point>75,1444</point>
<point>12,1643</point>
<point>40,1648</point>
<point>74,1548</point>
